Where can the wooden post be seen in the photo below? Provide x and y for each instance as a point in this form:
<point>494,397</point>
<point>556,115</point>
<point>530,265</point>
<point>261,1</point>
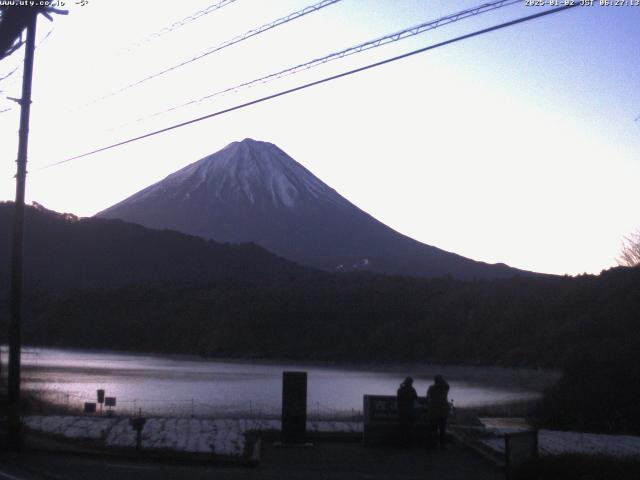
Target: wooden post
<point>15,298</point>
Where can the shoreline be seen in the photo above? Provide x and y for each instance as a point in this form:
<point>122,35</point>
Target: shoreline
<point>523,378</point>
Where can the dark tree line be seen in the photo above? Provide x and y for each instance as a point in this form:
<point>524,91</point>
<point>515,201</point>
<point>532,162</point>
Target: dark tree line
<point>588,325</point>
<point>146,290</point>
<point>365,318</point>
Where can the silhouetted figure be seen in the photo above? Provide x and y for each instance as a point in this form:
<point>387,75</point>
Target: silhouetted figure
<point>407,397</point>
<point>438,411</point>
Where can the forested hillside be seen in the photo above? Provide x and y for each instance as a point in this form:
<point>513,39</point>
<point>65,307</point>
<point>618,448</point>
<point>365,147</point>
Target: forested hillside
<point>62,252</point>
<point>364,318</point>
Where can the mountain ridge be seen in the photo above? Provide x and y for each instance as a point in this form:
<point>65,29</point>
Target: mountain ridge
<point>253,191</point>
<point>63,251</point>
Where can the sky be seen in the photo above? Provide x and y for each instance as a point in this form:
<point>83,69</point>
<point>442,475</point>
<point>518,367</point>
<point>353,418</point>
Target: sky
<point>518,146</point>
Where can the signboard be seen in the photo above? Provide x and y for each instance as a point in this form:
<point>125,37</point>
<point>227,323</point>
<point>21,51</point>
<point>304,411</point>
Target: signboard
<point>381,422</point>
<point>110,401</point>
<point>294,407</point>
<point>521,451</point>
<point>384,408</point>
<point>100,395</point>
<point>89,407</point>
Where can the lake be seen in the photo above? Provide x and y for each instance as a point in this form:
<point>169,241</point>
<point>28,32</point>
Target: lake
<point>176,385</point>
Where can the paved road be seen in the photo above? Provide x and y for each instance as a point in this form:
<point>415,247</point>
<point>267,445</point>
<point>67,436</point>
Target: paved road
<point>326,461</point>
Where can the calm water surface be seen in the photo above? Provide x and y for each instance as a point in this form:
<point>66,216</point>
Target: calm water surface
<point>167,384</point>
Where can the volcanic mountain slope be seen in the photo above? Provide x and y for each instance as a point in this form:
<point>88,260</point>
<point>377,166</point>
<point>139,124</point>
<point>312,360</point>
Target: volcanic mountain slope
<point>254,191</point>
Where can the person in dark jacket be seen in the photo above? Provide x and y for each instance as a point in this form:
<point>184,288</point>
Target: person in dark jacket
<point>407,397</point>
<point>438,411</point>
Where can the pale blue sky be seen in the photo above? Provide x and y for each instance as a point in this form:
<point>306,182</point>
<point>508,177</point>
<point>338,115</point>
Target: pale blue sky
<point>519,146</point>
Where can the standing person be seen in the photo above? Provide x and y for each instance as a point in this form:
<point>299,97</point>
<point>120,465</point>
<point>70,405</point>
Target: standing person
<point>438,411</point>
<point>407,397</point>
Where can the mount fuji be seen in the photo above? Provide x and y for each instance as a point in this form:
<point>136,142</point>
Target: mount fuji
<point>252,191</point>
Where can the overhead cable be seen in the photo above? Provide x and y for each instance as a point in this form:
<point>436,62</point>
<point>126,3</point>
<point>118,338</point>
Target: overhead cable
<point>180,23</point>
<point>314,83</point>
<point>250,33</point>
<point>390,38</point>
<point>11,72</point>
<point>15,69</point>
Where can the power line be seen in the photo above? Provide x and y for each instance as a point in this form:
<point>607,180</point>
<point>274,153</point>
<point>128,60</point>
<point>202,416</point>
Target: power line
<point>14,70</point>
<point>180,23</point>
<point>248,34</point>
<point>390,38</point>
<point>17,67</point>
<point>14,19</point>
<point>46,37</point>
<point>40,43</point>
<point>314,83</point>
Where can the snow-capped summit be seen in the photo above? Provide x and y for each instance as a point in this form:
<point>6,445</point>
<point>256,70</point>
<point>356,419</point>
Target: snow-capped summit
<point>253,191</point>
<point>252,172</point>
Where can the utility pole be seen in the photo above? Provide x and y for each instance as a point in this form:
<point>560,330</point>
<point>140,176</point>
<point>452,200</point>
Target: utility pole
<point>15,299</point>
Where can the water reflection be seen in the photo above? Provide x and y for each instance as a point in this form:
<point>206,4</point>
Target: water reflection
<point>165,384</point>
